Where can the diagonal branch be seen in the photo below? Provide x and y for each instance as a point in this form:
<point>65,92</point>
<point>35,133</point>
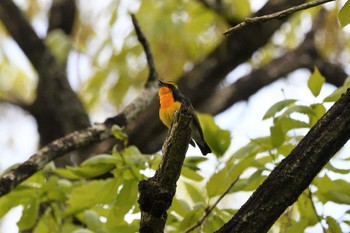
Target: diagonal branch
<point>295,173</point>
<point>156,193</point>
<point>277,15</point>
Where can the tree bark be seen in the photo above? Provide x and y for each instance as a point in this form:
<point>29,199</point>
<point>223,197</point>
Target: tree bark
<point>295,173</point>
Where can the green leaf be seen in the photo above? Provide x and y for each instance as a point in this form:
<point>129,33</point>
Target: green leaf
<point>250,149</point>
<point>319,110</point>
<point>344,14</point>
<point>56,189</point>
<point>335,96</point>
<point>21,195</point>
<point>92,220</point>
<point>29,215</point>
<point>333,225</point>
<point>127,196</point>
<point>119,133</point>
<point>306,210</point>
<point>190,174</point>
<point>337,191</point>
<point>302,109</point>
<point>299,226</point>
<point>196,195</point>
<point>254,181</point>
<point>193,161</point>
<point>277,107</point>
<point>288,123</point>
<point>85,196</point>
<point>190,219</point>
<point>277,135</point>
<point>180,206</point>
<point>315,82</point>
<point>218,139</point>
<point>100,159</point>
<point>216,185</point>
<point>126,199</point>
<point>337,170</point>
<point>47,223</point>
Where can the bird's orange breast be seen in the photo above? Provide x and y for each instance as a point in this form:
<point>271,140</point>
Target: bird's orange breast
<point>167,105</point>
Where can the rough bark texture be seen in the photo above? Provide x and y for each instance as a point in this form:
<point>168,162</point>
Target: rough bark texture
<point>156,193</point>
<point>295,173</point>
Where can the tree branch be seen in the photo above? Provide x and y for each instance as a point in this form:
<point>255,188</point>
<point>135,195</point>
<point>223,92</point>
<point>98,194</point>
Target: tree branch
<point>142,39</point>
<point>295,173</point>
<point>208,212</point>
<point>277,15</point>
<point>156,193</point>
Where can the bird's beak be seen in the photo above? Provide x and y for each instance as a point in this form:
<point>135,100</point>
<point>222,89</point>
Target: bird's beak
<point>161,83</point>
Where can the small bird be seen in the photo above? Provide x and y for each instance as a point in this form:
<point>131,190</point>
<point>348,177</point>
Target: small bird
<point>171,99</point>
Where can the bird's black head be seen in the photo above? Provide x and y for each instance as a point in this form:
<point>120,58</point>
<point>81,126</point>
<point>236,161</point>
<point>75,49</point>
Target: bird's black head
<point>167,84</point>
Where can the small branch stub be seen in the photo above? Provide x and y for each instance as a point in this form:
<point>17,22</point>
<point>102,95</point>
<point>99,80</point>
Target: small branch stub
<point>156,193</point>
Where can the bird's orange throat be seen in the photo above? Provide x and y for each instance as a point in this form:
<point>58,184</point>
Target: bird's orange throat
<point>166,97</point>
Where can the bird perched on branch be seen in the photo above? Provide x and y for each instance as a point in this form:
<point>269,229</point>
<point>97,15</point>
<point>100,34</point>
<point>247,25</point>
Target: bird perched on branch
<point>171,100</point>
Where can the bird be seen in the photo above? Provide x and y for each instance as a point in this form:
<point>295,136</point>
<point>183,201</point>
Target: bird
<point>171,100</point>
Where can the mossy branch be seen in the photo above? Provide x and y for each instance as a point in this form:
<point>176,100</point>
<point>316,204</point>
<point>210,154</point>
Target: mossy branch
<point>156,193</point>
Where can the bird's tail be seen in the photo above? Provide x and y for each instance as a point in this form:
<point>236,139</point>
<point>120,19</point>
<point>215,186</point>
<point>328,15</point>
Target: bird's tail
<point>205,149</point>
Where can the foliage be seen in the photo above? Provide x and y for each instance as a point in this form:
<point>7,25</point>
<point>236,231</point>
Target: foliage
<point>101,194</point>
<point>344,13</point>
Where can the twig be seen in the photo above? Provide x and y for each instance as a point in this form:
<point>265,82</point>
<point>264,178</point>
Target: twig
<point>208,212</point>
<point>276,15</point>
<point>314,208</point>
<point>142,39</point>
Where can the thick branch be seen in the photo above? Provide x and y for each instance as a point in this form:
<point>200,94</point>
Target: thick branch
<point>156,193</point>
<point>295,173</point>
<point>50,152</point>
<point>277,15</point>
